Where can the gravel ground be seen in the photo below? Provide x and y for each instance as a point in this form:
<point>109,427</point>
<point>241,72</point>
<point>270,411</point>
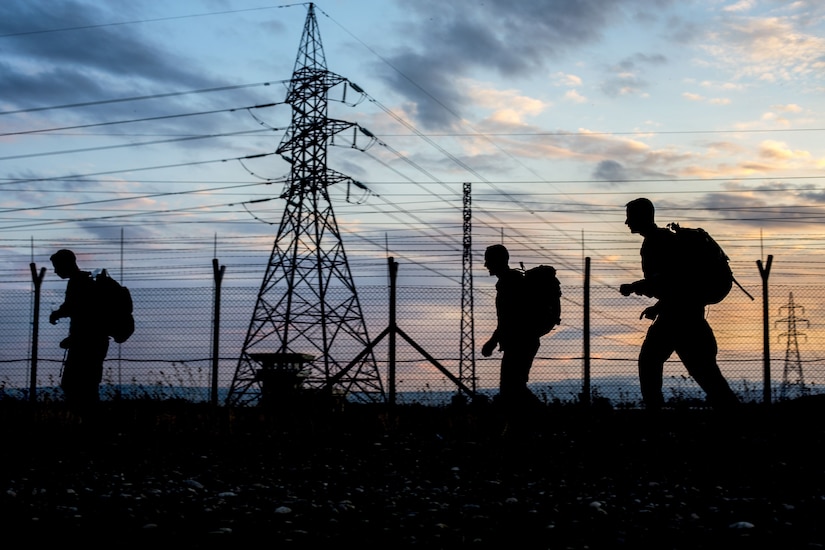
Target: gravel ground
<point>182,475</point>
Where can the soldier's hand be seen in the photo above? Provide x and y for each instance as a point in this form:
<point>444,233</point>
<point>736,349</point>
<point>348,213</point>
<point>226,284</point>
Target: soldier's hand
<point>488,348</point>
<point>626,289</point>
<point>53,318</point>
<point>650,312</point>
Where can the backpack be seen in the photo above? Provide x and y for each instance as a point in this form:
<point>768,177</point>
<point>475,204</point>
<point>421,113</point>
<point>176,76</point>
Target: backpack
<point>544,294</point>
<point>704,268</point>
<point>114,307</point>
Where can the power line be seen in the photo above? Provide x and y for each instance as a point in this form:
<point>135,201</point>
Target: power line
<point>129,198</point>
<point>135,120</point>
<point>617,133</point>
<point>138,98</point>
<point>137,169</point>
<point>513,198</point>
<point>116,216</point>
<point>125,145</point>
<point>139,21</point>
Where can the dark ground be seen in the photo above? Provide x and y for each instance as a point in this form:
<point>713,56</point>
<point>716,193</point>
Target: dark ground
<point>181,475</point>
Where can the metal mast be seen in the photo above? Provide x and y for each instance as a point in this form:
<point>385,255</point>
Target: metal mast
<point>467,365</point>
<point>307,306</point>
<point>792,373</point>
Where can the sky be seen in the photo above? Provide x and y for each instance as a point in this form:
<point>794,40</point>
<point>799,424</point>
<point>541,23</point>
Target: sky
<point>131,117</point>
<point>135,122</point>
<point>141,133</point>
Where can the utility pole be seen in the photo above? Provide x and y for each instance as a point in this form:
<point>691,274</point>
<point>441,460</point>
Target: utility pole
<point>792,373</point>
<point>307,323</point>
<point>467,364</point>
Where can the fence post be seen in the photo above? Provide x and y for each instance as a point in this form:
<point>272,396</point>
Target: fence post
<point>585,397</point>
<point>216,328</point>
<point>37,279</point>
<point>393,267</point>
<point>764,272</point>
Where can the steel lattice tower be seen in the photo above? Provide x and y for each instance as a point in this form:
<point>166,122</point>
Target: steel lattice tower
<point>307,305</point>
<point>467,365</point>
<point>792,373</point>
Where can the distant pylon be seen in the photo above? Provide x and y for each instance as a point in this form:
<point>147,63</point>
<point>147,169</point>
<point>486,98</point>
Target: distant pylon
<point>467,365</point>
<point>308,318</point>
<point>792,374</point>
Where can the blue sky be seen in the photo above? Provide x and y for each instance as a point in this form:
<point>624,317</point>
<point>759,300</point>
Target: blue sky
<point>558,112</point>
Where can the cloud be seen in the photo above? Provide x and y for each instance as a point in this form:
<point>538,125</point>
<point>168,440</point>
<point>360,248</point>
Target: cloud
<point>700,98</point>
<point>783,116</point>
<point>789,108</point>
<point>627,74</point>
<point>767,48</point>
<point>640,59</point>
<point>625,160</point>
<point>511,102</point>
<point>623,84</point>
<point>724,148</point>
<point>620,160</point>
<point>726,86</point>
<point>768,157</point>
<point>57,67</point>
<point>777,150</point>
<point>112,233</point>
<point>575,97</point>
<point>610,170</point>
<point>773,204</point>
<point>450,40</point>
<point>569,80</point>
<point>742,5</point>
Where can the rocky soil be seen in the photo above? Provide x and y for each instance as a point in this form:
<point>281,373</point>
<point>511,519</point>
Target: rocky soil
<point>183,475</point>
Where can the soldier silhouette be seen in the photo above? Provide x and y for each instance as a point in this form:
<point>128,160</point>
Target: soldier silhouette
<point>87,342</point>
<point>517,340</point>
<point>679,323</point>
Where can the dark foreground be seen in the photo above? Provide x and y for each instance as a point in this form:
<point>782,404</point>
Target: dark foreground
<point>178,475</point>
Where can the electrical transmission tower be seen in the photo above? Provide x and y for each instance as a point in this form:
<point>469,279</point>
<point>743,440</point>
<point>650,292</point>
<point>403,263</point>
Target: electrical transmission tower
<point>792,373</point>
<point>467,364</point>
<point>307,323</point>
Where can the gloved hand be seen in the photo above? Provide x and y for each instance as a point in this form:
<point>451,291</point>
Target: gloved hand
<point>650,312</point>
<point>488,348</point>
<point>631,288</point>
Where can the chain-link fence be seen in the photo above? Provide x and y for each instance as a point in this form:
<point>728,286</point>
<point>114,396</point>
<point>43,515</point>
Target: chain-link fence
<point>170,354</point>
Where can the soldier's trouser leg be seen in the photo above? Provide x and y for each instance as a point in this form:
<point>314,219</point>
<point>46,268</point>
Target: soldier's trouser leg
<point>83,371</point>
<point>516,362</point>
<point>656,349</point>
<point>697,349</point>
